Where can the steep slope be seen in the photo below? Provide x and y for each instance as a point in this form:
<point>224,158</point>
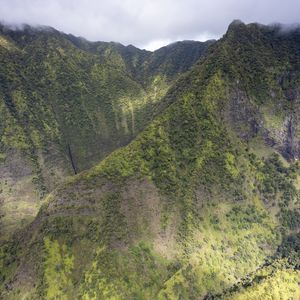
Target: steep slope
<point>65,104</point>
<point>264,61</point>
<point>199,200</point>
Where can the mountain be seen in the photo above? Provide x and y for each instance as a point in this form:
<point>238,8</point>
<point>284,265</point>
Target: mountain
<point>67,103</point>
<point>202,204</point>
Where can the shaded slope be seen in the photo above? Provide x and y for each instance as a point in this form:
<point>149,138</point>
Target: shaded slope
<point>190,206</point>
<point>66,104</point>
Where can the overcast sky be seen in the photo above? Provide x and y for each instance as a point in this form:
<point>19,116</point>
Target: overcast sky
<point>147,23</point>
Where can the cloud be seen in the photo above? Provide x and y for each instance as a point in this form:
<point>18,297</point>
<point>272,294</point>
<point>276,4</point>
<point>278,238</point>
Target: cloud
<point>156,44</point>
<point>147,23</point>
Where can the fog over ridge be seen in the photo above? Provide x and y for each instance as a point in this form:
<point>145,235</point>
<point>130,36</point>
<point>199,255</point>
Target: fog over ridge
<point>148,24</point>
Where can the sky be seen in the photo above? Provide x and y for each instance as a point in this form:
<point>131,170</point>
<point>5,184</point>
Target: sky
<point>147,24</point>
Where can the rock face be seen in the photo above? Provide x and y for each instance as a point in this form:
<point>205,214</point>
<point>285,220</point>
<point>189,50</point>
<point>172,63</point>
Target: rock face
<point>266,103</point>
<point>278,129</point>
<point>194,206</point>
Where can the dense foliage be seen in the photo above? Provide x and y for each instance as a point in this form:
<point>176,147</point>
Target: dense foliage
<point>66,103</point>
<point>203,203</point>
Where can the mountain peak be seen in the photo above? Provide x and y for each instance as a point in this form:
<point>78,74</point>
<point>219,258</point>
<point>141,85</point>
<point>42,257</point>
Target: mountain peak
<point>236,24</point>
<point>211,151</point>
<point>26,28</point>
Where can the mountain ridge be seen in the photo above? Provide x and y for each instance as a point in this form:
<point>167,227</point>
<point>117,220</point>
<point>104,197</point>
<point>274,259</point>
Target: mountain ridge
<point>66,108</point>
<point>151,217</point>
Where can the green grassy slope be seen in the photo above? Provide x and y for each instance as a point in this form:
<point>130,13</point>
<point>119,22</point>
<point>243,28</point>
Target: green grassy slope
<point>67,103</point>
<point>202,198</point>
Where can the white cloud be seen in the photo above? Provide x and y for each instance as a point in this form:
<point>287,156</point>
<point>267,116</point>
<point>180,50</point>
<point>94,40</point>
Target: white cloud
<point>149,23</point>
<point>155,44</point>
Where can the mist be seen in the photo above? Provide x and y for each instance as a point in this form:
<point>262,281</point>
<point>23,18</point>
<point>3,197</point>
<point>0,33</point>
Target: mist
<point>148,23</point>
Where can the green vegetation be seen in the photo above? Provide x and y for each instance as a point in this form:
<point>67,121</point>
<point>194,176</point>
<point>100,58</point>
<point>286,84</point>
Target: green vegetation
<point>137,274</point>
<point>203,203</point>
<point>58,268</point>
<point>67,103</point>
<point>274,282</point>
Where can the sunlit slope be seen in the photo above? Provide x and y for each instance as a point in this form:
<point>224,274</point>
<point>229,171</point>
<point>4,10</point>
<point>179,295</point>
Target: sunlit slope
<point>66,103</point>
<point>202,199</point>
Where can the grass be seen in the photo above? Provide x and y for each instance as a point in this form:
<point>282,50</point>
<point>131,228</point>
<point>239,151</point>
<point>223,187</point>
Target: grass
<point>229,243</point>
<point>279,284</point>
